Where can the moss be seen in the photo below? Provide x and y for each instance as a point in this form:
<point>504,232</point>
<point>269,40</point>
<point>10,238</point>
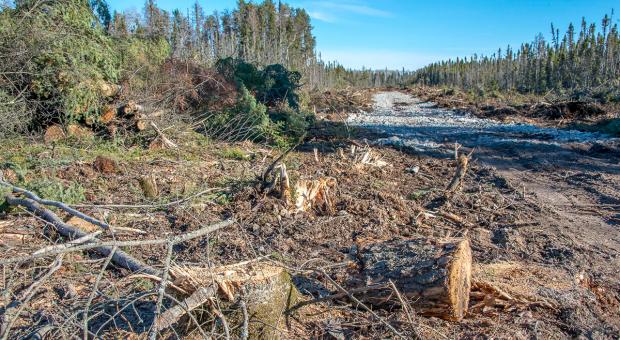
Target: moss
<point>52,189</point>
<point>234,153</point>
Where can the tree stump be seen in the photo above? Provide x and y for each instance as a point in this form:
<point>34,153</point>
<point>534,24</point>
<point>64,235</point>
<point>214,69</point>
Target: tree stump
<point>434,275</point>
<point>149,186</point>
<point>54,133</point>
<point>267,291</point>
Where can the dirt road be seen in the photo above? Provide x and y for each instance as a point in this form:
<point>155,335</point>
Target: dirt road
<point>574,177</point>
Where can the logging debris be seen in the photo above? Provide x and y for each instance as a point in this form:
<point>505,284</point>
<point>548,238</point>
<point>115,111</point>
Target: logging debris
<point>366,156</point>
<point>371,204</point>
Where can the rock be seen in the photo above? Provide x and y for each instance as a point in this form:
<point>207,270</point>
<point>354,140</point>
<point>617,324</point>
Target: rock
<point>413,170</point>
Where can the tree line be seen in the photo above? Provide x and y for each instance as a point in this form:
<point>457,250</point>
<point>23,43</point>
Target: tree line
<point>259,33</point>
<point>577,63</point>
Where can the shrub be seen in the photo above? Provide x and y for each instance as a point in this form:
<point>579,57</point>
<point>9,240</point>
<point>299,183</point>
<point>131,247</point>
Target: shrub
<point>15,116</point>
<point>292,124</point>
<point>68,64</point>
<point>280,84</point>
<point>246,120</point>
<point>50,189</point>
<point>188,86</point>
<point>273,85</point>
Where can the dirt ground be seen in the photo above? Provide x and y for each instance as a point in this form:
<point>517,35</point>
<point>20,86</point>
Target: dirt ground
<point>543,232</point>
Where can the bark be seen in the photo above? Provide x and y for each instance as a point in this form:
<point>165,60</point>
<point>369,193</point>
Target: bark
<point>457,180</point>
<point>435,276</point>
<point>266,290</point>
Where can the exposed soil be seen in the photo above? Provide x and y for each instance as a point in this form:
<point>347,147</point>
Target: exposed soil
<point>572,178</point>
<point>543,229</point>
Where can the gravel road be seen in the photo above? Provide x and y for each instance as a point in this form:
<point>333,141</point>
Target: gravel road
<point>426,128</point>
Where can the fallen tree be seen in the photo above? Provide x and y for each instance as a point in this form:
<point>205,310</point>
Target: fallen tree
<point>81,240</point>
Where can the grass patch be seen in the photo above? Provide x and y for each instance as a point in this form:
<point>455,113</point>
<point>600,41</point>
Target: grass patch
<point>417,195</point>
<point>234,153</point>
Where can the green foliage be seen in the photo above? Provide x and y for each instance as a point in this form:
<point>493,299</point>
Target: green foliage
<point>141,60</point>
<point>246,120</point>
<point>54,190</point>
<point>292,124</point>
<point>582,64</point>
<point>273,85</point>
<point>278,85</point>
<point>69,64</point>
<point>11,108</point>
<point>234,153</point>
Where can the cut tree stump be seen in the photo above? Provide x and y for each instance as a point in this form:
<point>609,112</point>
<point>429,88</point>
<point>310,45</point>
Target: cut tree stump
<point>54,134</point>
<point>434,275</point>
<point>266,289</point>
<point>105,165</point>
<point>109,114</point>
<point>149,186</point>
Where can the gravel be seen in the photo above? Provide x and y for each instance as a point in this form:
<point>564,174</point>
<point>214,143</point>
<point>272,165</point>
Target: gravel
<point>425,127</point>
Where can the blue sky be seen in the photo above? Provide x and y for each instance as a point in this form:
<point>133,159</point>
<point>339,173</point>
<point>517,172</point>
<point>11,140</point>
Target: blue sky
<point>410,34</point>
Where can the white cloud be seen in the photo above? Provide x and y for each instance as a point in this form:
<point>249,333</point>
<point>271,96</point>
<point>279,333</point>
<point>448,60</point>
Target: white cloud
<point>356,8</point>
<point>322,16</point>
<point>334,11</point>
<point>379,59</point>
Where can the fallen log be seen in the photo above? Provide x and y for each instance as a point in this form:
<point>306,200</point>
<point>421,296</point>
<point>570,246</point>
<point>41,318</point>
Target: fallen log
<point>434,275</point>
<point>265,289</point>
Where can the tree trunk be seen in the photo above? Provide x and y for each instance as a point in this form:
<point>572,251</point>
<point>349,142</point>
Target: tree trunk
<point>435,276</point>
<point>266,289</point>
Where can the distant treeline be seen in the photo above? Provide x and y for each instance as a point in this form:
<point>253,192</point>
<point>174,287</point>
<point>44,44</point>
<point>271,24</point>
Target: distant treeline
<point>577,63</point>
<point>259,33</point>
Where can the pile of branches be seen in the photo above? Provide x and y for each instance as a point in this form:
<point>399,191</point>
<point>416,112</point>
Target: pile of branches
<point>342,102</point>
<point>28,274</point>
